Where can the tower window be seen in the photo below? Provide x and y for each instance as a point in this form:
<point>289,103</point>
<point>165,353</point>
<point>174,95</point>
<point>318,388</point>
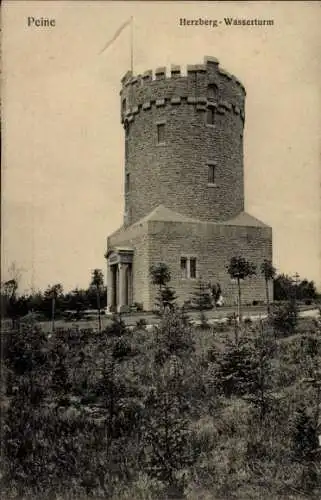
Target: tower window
<point>127,180</point>
<point>160,133</point>
<point>192,268</point>
<point>123,106</point>
<point>184,267</point>
<point>211,173</point>
<point>212,92</point>
<point>188,267</point>
<point>210,116</point>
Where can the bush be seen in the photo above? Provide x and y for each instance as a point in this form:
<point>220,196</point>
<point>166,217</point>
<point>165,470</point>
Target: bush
<point>204,324</point>
<point>236,369</point>
<point>117,327</point>
<point>137,307</point>
<point>141,324</point>
<point>305,438</point>
<point>285,318</point>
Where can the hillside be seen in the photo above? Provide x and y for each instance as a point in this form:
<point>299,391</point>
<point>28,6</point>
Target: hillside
<point>176,412</point>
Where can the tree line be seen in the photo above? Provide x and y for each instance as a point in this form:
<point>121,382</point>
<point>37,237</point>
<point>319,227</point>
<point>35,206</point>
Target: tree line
<point>239,269</point>
<point>53,302</point>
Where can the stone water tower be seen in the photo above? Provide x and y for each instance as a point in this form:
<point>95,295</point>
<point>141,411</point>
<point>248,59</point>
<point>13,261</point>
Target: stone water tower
<point>184,186</point>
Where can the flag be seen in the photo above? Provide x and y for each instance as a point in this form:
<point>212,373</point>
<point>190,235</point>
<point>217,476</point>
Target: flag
<point>118,32</point>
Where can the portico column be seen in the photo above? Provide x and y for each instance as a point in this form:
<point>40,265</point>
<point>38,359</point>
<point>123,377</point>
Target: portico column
<point>122,287</point>
<point>109,287</point>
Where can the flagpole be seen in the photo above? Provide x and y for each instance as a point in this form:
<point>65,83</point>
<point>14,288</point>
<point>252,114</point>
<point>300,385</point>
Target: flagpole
<point>131,45</point>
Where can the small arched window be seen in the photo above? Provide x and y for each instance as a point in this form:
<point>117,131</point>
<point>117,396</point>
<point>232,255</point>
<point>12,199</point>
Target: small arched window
<point>123,105</point>
<point>212,91</point>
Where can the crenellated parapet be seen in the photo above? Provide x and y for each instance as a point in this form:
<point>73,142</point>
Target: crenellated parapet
<point>202,85</point>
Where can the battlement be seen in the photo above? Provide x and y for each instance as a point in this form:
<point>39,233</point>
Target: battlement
<point>176,85</point>
<point>178,71</point>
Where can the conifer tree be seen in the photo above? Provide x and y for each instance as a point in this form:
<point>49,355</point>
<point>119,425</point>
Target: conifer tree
<point>305,439</point>
<point>166,299</point>
<point>166,431</point>
<point>202,299</point>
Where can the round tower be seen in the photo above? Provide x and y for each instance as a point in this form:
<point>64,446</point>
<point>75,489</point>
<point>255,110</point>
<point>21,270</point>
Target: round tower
<point>184,142</point>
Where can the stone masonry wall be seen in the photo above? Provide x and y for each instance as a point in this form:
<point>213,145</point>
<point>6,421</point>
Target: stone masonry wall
<point>213,245</point>
<point>176,173</point>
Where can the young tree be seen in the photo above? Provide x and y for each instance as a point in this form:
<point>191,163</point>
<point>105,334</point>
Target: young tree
<point>166,434</point>
<point>54,292</point>
<point>167,439</point>
<point>25,359</point>
<point>240,269</point>
<point>263,353</point>
<point>216,292</point>
<point>304,434</point>
<point>202,299</point>
<point>10,288</point>
<point>11,305</point>
<point>160,276</point>
<point>77,300</point>
<point>174,337</point>
<point>306,290</point>
<point>282,287</point>
<point>97,283</point>
<point>236,369</point>
<point>166,298</point>
<point>285,318</point>
<point>268,271</point>
<point>202,296</point>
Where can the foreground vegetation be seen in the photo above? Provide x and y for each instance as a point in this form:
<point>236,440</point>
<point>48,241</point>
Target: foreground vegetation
<point>179,412</point>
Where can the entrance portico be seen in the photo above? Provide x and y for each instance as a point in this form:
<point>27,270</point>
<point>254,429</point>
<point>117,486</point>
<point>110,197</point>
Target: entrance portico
<point>119,279</point>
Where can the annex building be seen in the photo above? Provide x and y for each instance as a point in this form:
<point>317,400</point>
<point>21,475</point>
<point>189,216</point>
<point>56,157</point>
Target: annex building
<point>183,187</point>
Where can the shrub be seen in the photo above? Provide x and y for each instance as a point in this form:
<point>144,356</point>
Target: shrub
<point>305,439</point>
<point>285,318</point>
<point>117,327</point>
<point>137,306</point>
<point>174,336</point>
<point>141,324</point>
<point>204,324</point>
<point>236,369</point>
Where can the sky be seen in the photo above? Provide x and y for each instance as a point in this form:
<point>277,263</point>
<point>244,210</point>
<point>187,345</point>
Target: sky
<point>63,150</point>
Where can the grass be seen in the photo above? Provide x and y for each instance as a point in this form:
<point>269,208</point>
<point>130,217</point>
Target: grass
<point>235,454</point>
